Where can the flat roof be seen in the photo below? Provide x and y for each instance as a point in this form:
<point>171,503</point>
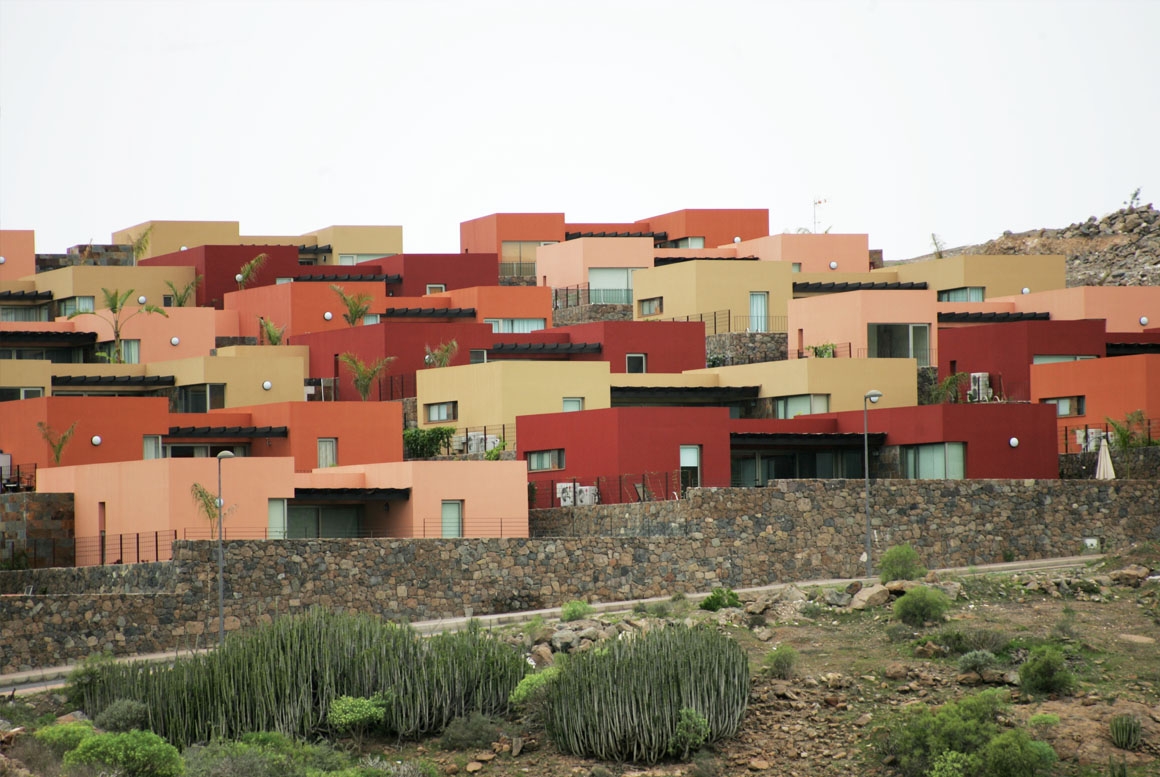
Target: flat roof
<point>189,432</point>
<point>990,318</point>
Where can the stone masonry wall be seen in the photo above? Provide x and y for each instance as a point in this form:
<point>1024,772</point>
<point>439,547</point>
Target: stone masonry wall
<point>584,314</point>
<point>37,529</point>
<point>793,530</point>
<point>745,347</point>
<point>1135,463</point>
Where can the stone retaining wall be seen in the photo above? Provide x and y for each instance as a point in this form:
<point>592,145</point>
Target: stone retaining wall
<point>585,314</point>
<point>36,529</point>
<point>1135,463</point>
<point>793,530</point>
<point>745,348</point>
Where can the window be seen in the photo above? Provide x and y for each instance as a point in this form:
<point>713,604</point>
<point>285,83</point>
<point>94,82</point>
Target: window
<point>310,521</point>
<point>370,318</point>
<point>962,294</point>
<point>684,242</point>
<point>436,288</point>
<point>451,516</point>
<point>1067,406</point>
<point>26,392</point>
<point>1051,358</point>
<point>610,285</point>
<point>539,461</point>
<point>795,267</point>
<point>573,404</point>
<point>347,259</point>
<point>636,362</point>
<point>934,462</point>
<point>327,452</point>
<point>166,300</point>
<point>151,447</point>
<point>130,351</point>
<point>758,311</point>
<point>477,356</point>
<point>24,313</point>
<point>652,306</point>
<point>690,466</point>
<point>515,325</point>
<point>72,305</point>
<point>201,397</point>
<point>441,411</point>
<point>801,404</point>
<point>900,341</point>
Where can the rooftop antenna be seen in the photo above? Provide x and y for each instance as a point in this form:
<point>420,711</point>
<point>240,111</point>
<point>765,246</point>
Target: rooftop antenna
<point>817,201</point>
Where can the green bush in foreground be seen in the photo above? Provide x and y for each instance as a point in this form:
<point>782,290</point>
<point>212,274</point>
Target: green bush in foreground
<point>900,562</point>
<point>133,753</point>
<point>918,737</point>
<point>123,715</point>
<point>976,661</point>
<point>471,731</point>
<point>719,599</point>
<point>575,610</point>
<point>920,605</point>
<point>227,759</point>
<point>1045,671</point>
<point>624,703</point>
<point>63,737</point>
<point>780,662</point>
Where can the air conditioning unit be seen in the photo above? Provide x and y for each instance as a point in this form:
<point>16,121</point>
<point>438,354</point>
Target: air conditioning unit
<point>475,442</point>
<point>1094,438</point>
<point>458,443</point>
<point>980,387</point>
<point>587,495</point>
<point>565,494</point>
<point>490,442</point>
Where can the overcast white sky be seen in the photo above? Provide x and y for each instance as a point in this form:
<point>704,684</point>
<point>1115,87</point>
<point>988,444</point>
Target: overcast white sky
<point>959,118</point>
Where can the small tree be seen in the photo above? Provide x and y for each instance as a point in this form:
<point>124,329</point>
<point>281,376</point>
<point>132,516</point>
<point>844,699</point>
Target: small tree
<point>140,243</point>
<point>948,390</point>
<point>357,305</point>
<point>56,441</point>
<point>442,355</point>
<point>250,269</point>
<point>362,374</point>
<point>115,302</point>
<point>181,296</point>
<point>269,332</point>
<point>207,504</point>
<point>938,244</point>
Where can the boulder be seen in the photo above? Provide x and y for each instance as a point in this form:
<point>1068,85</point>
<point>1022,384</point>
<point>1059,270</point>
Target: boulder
<point>564,640</point>
<point>854,587</point>
<point>793,594</point>
<point>836,598</point>
<point>952,590</point>
<point>1132,575</point>
<point>896,671</point>
<point>542,656</point>
<point>874,596</point>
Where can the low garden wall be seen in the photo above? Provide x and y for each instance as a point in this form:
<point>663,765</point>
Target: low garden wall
<point>792,530</point>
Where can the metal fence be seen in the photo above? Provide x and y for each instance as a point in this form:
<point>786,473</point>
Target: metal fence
<point>827,351</point>
<point>36,553</point>
<point>1087,438</point>
<point>721,322</point>
<point>136,548</point>
<point>397,387</point>
<point>432,528</point>
<point>517,269</point>
<point>927,357</point>
<point>19,477</point>
<point>583,294</point>
<point>607,489</point>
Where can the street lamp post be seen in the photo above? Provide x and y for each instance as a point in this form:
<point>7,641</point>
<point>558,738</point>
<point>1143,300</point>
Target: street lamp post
<point>221,553</point>
<point>871,396</point>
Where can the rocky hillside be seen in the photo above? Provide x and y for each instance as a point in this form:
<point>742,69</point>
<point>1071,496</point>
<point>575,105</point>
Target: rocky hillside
<point>1120,249</point>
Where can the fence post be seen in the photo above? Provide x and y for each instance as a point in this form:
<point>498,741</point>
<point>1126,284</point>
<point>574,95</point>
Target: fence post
<point>102,548</point>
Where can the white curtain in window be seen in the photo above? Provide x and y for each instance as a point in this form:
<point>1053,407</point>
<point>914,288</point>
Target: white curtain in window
<point>525,325</point>
<point>151,447</point>
<point>932,462</point>
<point>131,351</point>
<point>452,518</point>
<point>758,311</point>
<point>327,452</point>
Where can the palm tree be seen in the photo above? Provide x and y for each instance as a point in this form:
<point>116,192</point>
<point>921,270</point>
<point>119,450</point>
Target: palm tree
<point>207,503</point>
<point>181,296</point>
<point>250,269</point>
<point>269,332</point>
<point>56,441</point>
<point>357,305</point>
<point>115,302</point>
<point>141,242</point>
<point>441,356</point>
<point>362,374</point>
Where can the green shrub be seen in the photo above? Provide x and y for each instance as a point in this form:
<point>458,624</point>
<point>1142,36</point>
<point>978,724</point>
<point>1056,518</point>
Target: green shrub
<point>1042,723</point>
<point>961,641</point>
<point>85,675</point>
<point>63,737</point>
<point>918,736</point>
<point>692,732</point>
<point>640,608</point>
<point>811,610</point>
<point>1117,769</point>
<point>133,753</point>
<point>284,676</point>
<point>227,759</point>
<point>976,661</point>
<point>780,662</point>
<point>720,598</point>
<point>624,703</point>
<point>1125,731</point>
<point>319,756</point>
<point>356,715</point>
<point>427,443</point>
<point>659,610</point>
<point>533,686</point>
<point>1014,754</point>
<point>897,632</point>
<point>900,562</point>
<point>575,610</point>
<point>472,731</point>
<point>124,715</point>
<point>705,765</point>
<point>952,763</point>
<point>1045,671</point>
<point>922,604</point>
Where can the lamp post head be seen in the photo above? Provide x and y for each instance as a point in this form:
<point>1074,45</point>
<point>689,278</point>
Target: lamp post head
<point>225,455</point>
<point>873,395</point>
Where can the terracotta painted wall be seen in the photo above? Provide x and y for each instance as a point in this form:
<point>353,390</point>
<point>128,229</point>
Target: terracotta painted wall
<point>813,252</point>
<point>844,317</point>
<point>1006,350</point>
<point>196,330</point>
<point>669,346</point>
<point>1121,306</point>
<point>367,432</point>
<point>301,307</point>
<point>486,234</point>
<point>628,440</point>
<point>121,423</point>
<point>717,226</point>
<point>18,247</point>
<point>1111,388</point>
<point>503,301</point>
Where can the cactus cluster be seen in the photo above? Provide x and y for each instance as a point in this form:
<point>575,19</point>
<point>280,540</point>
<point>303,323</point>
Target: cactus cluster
<point>1125,730</point>
<point>284,676</point>
<point>625,702</point>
